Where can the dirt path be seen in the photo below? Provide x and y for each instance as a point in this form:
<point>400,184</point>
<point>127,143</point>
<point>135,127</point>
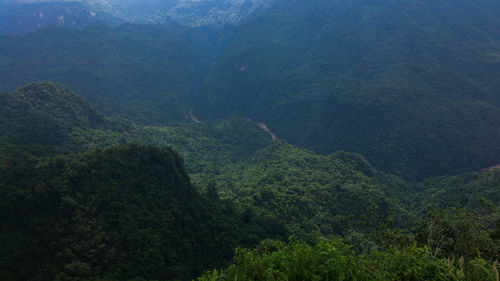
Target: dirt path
<point>191,115</point>
<point>492,168</point>
<point>265,128</point>
<point>260,124</point>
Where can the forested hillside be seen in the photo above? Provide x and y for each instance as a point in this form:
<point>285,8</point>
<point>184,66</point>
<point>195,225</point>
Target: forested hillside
<point>52,116</point>
<point>410,85</point>
<point>314,140</point>
<point>235,153</point>
<point>143,73</point>
<point>119,213</point>
<point>316,195</point>
<point>47,114</point>
<point>131,211</point>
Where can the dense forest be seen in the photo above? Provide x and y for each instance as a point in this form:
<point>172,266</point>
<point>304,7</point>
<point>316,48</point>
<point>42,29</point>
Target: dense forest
<point>314,140</point>
<point>119,213</point>
<point>109,208</point>
<point>410,85</point>
<point>144,73</point>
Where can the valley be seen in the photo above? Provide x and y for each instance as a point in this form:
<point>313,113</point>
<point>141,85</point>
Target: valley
<point>273,189</point>
<point>250,140</point>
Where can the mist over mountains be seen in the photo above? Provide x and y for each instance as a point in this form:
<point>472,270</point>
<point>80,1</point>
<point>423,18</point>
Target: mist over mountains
<point>192,13</point>
<point>27,15</point>
<point>340,139</point>
<point>409,84</point>
<point>412,86</point>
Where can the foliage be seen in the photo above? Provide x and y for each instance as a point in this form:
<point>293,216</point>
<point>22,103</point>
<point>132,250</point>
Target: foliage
<point>410,85</point>
<point>118,213</point>
<point>315,195</point>
<point>459,233</point>
<point>208,148</point>
<point>131,211</point>
<point>471,190</point>
<point>334,260</point>
<point>45,114</point>
<point>144,73</point>
<point>51,115</point>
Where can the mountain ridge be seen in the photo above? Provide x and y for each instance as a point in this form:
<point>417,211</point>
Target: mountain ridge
<point>410,85</point>
<point>114,207</point>
<point>23,16</point>
<point>389,80</point>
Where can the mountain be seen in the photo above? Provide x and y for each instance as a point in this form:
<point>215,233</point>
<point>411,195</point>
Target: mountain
<point>21,16</point>
<point>49,115</point>
<point>474,190</point>
<point>410,85</point>
<point>324,122</point>
<point>192,13</point>
<point>315,195</point>
<point>45,114</point>
<point>146,73</point>
<point>115,214</point>
<point>238,156</point>
<point>96,203</point>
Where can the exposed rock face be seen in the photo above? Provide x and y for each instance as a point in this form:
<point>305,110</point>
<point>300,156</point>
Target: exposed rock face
<point>27,15</point>
<point>17,17</point>
<point>187,12</point>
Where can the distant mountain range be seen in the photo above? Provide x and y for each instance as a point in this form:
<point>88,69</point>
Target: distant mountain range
<point>193,13</point>
<point>27,15</point>
<point>410,85</point>
<point>18,17</point>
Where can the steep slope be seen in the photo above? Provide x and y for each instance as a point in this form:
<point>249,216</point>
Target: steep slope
<point>193,13</point>
<point>18,17</point>
<point>477,190</point>
<point>115,214</point>
<point>21,16</point>
<point>119,213</point>
<point>46,114</point>
<point>411,85</point>
<point>312,194</point>
<point>208,148</point>
<point>144,73</point>
<point>281,181</point>
<point>131,211</point>
<point>315,195</point>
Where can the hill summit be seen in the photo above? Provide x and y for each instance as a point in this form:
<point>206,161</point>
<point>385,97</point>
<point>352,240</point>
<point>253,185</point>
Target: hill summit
<point>45,113</point>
